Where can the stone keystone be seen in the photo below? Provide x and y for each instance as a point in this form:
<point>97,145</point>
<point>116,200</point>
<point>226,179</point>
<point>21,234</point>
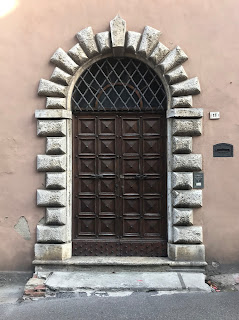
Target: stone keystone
<point>118,30</point>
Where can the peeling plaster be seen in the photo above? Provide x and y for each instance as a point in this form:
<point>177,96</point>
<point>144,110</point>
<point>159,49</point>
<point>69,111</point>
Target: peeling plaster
<point>22,228</point>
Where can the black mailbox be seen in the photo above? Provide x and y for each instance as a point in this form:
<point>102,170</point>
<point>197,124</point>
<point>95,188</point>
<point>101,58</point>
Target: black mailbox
<point>223,150</point>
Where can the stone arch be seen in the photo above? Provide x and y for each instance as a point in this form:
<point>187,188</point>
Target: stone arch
<point>54,123</point>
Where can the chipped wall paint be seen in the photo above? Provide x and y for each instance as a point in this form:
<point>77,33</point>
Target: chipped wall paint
<point>22,228</point>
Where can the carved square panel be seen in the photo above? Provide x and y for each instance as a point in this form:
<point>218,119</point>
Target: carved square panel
<point>131,206</point>
<point>86,226</point>
<point>130,127</point>
<point>86,126</point>
<point>151,227</point>
<point>151,166</point>
<point>151,126</point>
<point>107,186</point>
<point>130,147</point>
<point>86,166</point>
<point>107,146</point>
<point>86,146</point>
<point>151,186</point>
<point>107,206</point>
<point>106,126</point>
<point>151,146</point>
<point>107,226</point>
<point>87,186</point>
<point>151,206</point>
<point>131,166</point>
<point>131,186</point>
<point>86,206</point>
<point>131,227</point>
<point>107,165</point>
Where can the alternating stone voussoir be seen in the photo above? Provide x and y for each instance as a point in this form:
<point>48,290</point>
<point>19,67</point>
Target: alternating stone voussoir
<point>132,41</point>
<point>186,162</point>
<point>61,59</point>
<point>182,180</point>
<point>185,88</point>
<point>118,31</point>
<point>149,40</point>
<point>78,54</point>
<point>175,75</point>
<point>159,53</point>
<point>55,103</point>
<point>87,41</point>
<point>55,145</point>
<point>50,234</point>
<point>51,128</point>
<point>51,198</point>
<point>184,113</point>
<point>103,41</point>
<point>192,234</point>
<point>186,252</point>
<point>55,216</point>
<point>50,89</point>
<point>187,127</point>
<point>182,217</point>
<point>187,198</point>
<point>56,251</point>
<point>182,144</point>
<point>53,114</point>
<point>182,102</point>
<point>56,180</point>
<point>51,163</point>
<point>173,59</point>
<point>60,76</point>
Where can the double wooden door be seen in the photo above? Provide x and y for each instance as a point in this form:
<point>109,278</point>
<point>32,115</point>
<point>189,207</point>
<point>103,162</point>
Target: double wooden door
<point>119,191</point>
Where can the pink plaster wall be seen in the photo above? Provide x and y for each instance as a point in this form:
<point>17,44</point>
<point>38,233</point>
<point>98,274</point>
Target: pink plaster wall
<point>207,30</point>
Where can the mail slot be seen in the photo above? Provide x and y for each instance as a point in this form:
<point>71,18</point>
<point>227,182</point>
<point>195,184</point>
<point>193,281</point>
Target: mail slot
<point>223,150</point>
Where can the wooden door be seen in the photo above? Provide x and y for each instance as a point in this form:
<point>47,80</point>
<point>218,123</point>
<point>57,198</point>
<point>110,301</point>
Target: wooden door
<point>119,192</point>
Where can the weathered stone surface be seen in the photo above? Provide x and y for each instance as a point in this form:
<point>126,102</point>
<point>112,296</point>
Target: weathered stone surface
<point>187,127</point>
<point>182,217</point>
<point>51,128</point>
<point>186,252</point>
<point>51,163</point>
<point>175,75</point>
<point>187,162</point>
<point>51,234</point>
<point>118,30</point>
<point>77,54</point>
<point>56,180</point>
<point>56,216</point>
<point>182,102</point>
<point>56,145</point>
<point>60,76</point>
<point>182,144</point>
<point>103,41</point>
<point>61,59</point>
<point>53,251</point>
<point>185,113</point>
<point>187,199</point>
<point>182,180</point>
<point>159,53</point>
<point>173,59</point>
<point>53,114</point>
<point>55,103</point>
<point>51,89</point>
<point>149,40</point>
<point>132,41</point>
<point>185,88</point>
<point>51,198</point>
<point>187,234</point>
<point>86,39</point>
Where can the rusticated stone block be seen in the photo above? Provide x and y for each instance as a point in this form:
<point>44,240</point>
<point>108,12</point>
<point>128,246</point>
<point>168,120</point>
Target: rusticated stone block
<point>182,144</point>
<point>187,127</point>
<point>53,114</point>
<point>186,252</point>
<point>53,251</point>
<point>187,162</point>
<point>56,145</point>
<point>159,53</point>
<point>60,76</point>
<point>77,54</point>
<point>51,128</point>
<point>182,102</point>
<point>50,89</point>
<point>132,41</point>
<point>51,198</point>
<point>56,180</point>
<point>103,41</point>
<point>86,40</point>
<point>182,180</point>
<point>182,217</point>
<point>55,103</point>
<point>149,40</point>
<point>182,113</point>
<point>56,216</point>
<point>118,30</point>
<point>187,234</point>
<point>187,199</point>
<point>173,59</point>
<point>51,234</point>
<point>185,88</point>
<point>61,59</point>
<point>51,163</point>
<point>175,75</point>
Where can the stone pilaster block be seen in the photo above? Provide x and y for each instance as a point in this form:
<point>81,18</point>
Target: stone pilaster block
<point>175,75</point>
<point>53,251</point>
<point>182,144</point>
<point>60,76</point>
<point>118,31</point>
<point>159,53</point>
<point>87,42</point>
<point>185,88</point>
<point>56,180</point>
<point>51,234</point>
<point>55,103</point>
<point>132,41</point>
<point>56,145</point>
<point>182,217</point>
<point>51,198</point>
<point>53,114</point>
<point>187,127</point>
<point>77,54</point>
<point>187,199</point>
<point>182,180</point>
<point>149,41</point>
<point>61,59</point>
<point>51,128</point>
<point>51,89</point>
<point>188,235</point>
<point>182,102</point>
<point>55,216</point>
<point>184,113</point>
<point>51,163</point>
<point>173,59</point>
<point>186,252</point>
<point>187,162</point>
<point>103,41</point>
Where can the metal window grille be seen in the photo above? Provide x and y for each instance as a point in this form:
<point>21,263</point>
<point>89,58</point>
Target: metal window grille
<point>119,84</point>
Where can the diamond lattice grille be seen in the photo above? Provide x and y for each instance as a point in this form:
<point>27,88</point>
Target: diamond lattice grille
<point>115,84</point>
